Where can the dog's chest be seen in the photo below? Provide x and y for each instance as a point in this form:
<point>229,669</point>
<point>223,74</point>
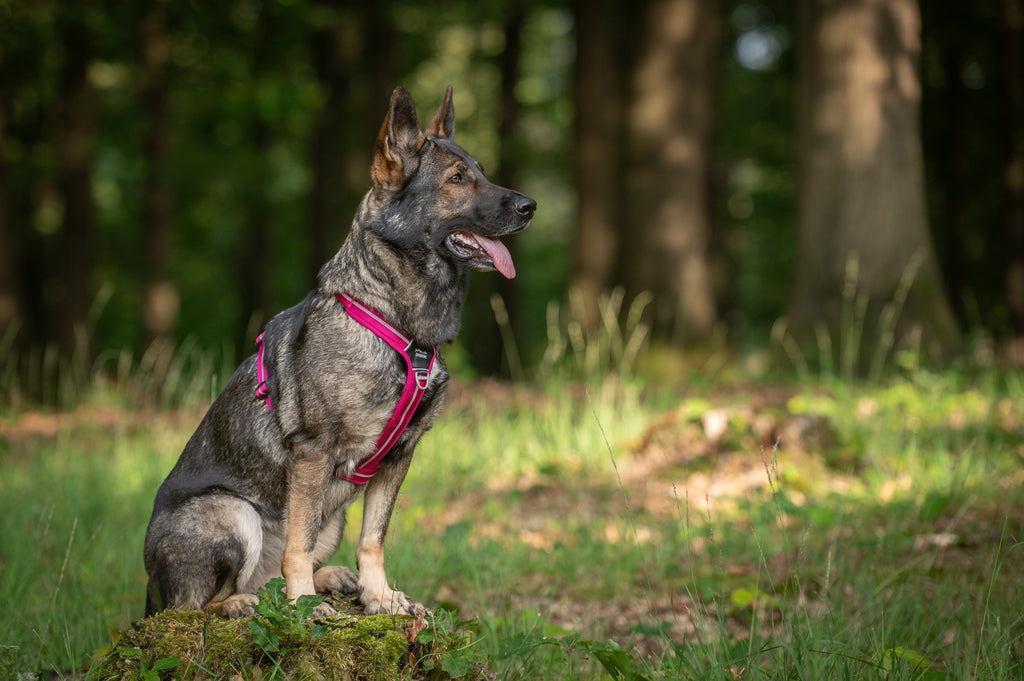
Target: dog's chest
<point>390,421</point>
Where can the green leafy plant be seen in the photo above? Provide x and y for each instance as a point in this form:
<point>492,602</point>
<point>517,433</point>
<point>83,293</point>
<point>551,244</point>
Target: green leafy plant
<point>891,660</point>
<point>619,663</point>
<point>145,671</point>
<point>281,625</point>
<point>450,647</point>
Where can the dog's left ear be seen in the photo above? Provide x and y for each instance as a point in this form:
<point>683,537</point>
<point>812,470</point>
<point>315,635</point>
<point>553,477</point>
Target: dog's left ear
<point>443,122</point>
<point>398,144</point>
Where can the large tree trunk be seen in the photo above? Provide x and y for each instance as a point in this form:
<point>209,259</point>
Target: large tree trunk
<point>160,298</point>
<point>666,240</point>
<point>863,233</point>
<point>599,101</point>
<point>1013,85</point>
<point>77,127</point>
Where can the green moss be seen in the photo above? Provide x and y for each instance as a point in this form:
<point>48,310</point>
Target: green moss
<point>352,648</point>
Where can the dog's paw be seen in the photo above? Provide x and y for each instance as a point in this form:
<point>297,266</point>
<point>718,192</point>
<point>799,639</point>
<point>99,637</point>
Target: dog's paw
<point>335,578</point>
<point>393,603</point>
<point>238,605</point>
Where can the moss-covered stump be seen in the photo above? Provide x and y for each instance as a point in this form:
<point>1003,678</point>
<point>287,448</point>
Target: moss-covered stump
<point>189,644</point>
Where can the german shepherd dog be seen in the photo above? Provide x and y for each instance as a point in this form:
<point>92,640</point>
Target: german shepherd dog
<point>262,487</point>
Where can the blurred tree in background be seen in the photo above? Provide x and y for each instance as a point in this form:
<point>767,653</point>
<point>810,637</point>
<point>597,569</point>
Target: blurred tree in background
<point>863,239</point>
<point>174,172</point>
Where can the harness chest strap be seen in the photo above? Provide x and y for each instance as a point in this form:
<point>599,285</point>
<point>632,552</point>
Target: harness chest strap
<point>419,364</point>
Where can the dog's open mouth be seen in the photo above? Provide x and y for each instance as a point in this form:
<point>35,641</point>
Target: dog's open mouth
<point>482,252</point>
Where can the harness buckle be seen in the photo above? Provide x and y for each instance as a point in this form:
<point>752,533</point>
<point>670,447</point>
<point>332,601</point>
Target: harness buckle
<point>420,361</point>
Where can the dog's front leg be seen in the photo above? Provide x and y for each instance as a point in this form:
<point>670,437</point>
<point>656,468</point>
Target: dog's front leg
<point>374,592</point>
<point>308,475</point>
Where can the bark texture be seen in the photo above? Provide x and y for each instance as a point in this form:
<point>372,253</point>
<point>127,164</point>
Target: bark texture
<point>864,242</point>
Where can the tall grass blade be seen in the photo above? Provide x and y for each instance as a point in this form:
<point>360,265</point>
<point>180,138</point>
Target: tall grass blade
<point>508,337</point>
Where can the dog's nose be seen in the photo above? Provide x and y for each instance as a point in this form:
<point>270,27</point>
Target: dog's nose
<point>525,206</point>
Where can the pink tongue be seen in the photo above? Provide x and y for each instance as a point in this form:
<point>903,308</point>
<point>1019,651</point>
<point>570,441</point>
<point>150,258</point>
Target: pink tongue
<point>499,255</point>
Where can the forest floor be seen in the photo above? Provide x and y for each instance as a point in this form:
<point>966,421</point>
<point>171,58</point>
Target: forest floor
<point>783,530</point>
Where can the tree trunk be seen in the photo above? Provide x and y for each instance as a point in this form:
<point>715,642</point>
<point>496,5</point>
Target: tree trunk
<point>9,315</point>
<point>508,162</point>
<point>327,145</point>
<point>77,127</point>
<point>952,154</point>
<point>1013,177</point>
<point>599,100</point>
<point>481,320</point>
<point>667,237</point>
<point>378,71</point>
<point>351,50</point>
<point>160,299</point>
<point>863,234</point>
<point>256,266</point>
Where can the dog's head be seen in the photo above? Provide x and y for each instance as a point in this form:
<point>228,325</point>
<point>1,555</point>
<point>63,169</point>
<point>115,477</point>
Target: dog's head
<point>432,194</point>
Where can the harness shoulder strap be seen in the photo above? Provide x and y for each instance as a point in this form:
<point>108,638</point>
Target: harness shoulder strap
<point>419,363</point>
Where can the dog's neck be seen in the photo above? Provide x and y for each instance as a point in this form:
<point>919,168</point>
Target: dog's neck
<point>423,299</point>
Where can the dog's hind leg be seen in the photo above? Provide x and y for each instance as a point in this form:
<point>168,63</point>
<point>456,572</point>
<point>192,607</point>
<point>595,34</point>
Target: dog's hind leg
<point>199,553</point>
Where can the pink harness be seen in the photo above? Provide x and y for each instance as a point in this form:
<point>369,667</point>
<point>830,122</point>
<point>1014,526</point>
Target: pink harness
<point>419,362</point>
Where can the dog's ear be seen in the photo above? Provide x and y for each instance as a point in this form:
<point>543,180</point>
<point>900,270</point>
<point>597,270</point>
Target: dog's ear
<point>398,144</point>
<point>443,122</point>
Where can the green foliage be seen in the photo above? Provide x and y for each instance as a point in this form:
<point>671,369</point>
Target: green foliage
<point>873,559</point>
<point>196,645</point>
<point>527,643</point>
<point>280,626</point>
<point>620,664</point>
<point>146,672</point>
<point>613,346</point>
<point>245,95</point>
<point>446,648</point>
<point>279,619</point>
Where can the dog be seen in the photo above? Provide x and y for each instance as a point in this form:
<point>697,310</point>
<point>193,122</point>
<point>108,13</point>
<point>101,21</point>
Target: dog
<point>262,487</point>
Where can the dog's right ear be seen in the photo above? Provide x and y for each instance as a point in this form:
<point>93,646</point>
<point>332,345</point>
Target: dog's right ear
<point>398,144</point>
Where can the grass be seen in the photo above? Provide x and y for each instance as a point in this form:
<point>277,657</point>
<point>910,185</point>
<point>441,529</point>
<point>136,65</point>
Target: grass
<point>603,528</point>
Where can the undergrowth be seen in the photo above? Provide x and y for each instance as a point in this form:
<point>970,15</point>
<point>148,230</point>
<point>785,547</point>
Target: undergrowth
<point>595,523</point>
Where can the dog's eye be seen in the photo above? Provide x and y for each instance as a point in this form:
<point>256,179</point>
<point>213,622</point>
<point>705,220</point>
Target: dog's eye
<point>455,179</point>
